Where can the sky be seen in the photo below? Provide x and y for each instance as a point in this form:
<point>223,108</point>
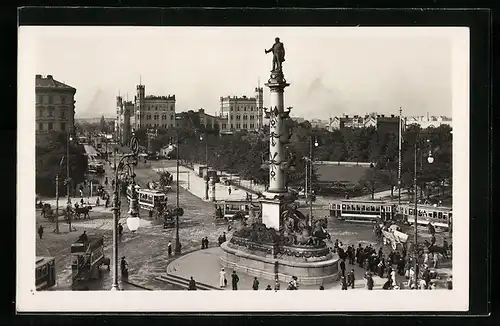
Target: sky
<point>331,70</point>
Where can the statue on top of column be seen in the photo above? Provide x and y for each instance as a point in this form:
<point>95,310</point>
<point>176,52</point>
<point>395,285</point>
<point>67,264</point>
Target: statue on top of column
<point>278,50</point>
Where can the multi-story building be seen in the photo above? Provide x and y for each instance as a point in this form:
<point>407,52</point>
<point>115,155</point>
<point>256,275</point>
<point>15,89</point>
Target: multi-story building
<point>55,105</point>
<point>211,121</point>
<point>379,121</point>
<point>242,113</point>
<point>428,121</point>
<point>124,120</point>
<point>153,111</point>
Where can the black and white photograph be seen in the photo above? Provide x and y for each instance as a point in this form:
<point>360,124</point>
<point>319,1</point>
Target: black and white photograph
<point>173,168</point>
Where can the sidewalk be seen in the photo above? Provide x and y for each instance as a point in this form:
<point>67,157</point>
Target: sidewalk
<point>196,185</point>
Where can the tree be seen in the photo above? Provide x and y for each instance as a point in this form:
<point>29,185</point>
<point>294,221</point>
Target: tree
<point>49,162</point>
<point>373,180</point>
<point>103,126</point>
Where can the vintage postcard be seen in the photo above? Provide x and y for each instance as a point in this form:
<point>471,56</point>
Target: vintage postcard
<point>223,168</point>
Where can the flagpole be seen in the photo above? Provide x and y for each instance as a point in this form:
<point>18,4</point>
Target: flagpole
<point>400,136</point>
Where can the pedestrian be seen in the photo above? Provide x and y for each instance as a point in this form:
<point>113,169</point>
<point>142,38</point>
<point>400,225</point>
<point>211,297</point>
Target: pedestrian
<point>449,283</point>
<point>224,237</point>
<point>169,248</point>
<point>268,287</point>
<point>350,278</point>
<point>120,230</point>
<point>435,260</point>
<point>343,283</point>
<point>222,278</point>
<point>234,280</point>
<point>106,181</point>
<point>192,284</point>
<point>229,190</point>
<point>97,202</point>
<point>255,285</point>
<point>342,267</point>
<point>40,231</point>
<point>277,285</point>
<point>206,242</point>
<point>369,281</point>
<point>381,267</point>
<point>393,276</point>
<point>107,202</point>
<point>124,267</point>
<point>202,243</point>
<point>426,258</point>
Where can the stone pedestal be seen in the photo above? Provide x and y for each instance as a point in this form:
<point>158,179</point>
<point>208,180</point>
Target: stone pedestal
<point>259,260</point>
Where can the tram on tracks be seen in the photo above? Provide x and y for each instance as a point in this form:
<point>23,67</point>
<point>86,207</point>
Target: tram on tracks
<point>87,258</point>
<point>373,211</point>
<point>362,211</point>
<point>230,208</point>
<point>148,198</point>
<point>438,216</point>
<point>45,273</point>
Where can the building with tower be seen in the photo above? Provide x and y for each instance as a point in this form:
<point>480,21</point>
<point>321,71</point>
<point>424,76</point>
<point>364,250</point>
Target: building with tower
<point>152,111</point>
<point>54,105</point>
<point>242,113</point>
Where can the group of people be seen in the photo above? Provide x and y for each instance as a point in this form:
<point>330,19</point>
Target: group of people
<point>222,238</point>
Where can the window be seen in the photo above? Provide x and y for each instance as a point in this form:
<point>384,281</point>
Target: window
<point>39,99</point>
<point>252,117</point>
<point>245,126</point>
<point>172,107</point>
<point>63,114</point>
<point>50,99</point>
<point>63,99</point>
<point>63,126</point>
<point>148,117</point>
<point>49,126</point>
<point>245,108</point>
<point>231,126</point>
<point>230,109</point>
<point>251,108</point>
<point>238,117</point>
<point>223,126</point>
<point>40,126</point>
<point>245,117</point>
<point>164,117</point>
<point>156,116</point>
<point>238,126</point>
<point>51,112</point>
<point>173,125</point>
<point>440,215</point>
<point>172,117</point>
<point>252,126</point>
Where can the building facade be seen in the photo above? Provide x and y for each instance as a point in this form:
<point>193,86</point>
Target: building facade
<point>428,121</point>
<point>242,113</point>
<point>153,111</point>
<point>55,105</point>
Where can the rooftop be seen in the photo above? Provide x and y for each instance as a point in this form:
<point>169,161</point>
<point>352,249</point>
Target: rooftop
<point>160,97</point>
<point>49,81</point>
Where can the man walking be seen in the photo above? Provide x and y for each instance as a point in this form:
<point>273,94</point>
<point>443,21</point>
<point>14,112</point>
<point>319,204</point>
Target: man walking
<point>40,231</point>
<point>255,285</point>
<point>169,246</point>
<point>350,279</point>
<point>120,230</point>
<point>342,267</point>
<point>234,280</point>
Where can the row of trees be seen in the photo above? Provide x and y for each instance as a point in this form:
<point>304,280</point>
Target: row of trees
<point>51,160</point>
<point>244,152</point>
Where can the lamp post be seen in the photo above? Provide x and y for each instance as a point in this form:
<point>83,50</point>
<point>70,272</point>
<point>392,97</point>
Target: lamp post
<point>316,144</point>
<point>177,249</point>
<point>126,162</point>
<point>57,203</point>
<point>206,163</point>
<point>430,159</point>
<point>68,181</point>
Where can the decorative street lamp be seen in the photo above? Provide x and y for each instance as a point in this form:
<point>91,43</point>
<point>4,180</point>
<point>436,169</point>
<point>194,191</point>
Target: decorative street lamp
<point>125,165</point>
<point>68,182</point>
<point>430,159</point>
<point>177,249</point>
<point>206,163</point>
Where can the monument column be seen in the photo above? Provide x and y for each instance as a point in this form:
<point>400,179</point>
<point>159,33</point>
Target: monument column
<point>277,193</point>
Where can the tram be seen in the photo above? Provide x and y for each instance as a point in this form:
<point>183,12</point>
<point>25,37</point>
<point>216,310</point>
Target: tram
<point>362,211</point>
<point>148,198</point>
<point>87,257</point>
<point>45,273</point>
<point>438,216</point>
<point>376,210</point>
<point>230,208</point>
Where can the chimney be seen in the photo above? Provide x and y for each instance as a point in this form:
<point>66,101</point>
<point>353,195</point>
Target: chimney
<point>38,76</point>
<point>49,77</point>
<point>383,115</point>
<point>392,115</point>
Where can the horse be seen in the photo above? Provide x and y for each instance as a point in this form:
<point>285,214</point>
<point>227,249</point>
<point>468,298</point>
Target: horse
<point>83,211</point>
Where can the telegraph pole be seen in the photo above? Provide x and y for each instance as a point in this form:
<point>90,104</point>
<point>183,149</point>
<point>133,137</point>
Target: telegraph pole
<point>400,134</point>
<point>57,203</point>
